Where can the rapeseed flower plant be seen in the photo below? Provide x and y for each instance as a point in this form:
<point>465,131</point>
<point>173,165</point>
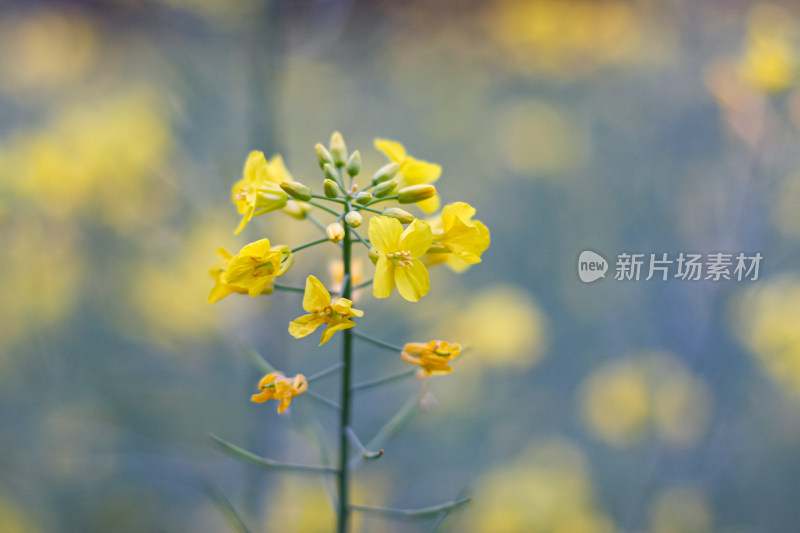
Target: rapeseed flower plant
<point>397,243</point>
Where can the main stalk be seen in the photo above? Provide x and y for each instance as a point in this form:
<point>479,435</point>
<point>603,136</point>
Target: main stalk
<point>344,421</point>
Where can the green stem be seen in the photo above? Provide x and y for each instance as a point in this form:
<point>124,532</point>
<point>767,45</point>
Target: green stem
<point>324,373</point>
<point>316,222</point>
<point>324,208</point>
<point>363,284</point>
<point>240,453</point>
<point>365,208</point>
<point>363,241</point>
<point>377,342</point>
<point>424,512</point>
<point>337,200</point>
<point>278,287</point>
<point>365,453</point>
<point>310,244</point>
<point>384,199</point>
<point>343,518</point>
<point>384,380</point>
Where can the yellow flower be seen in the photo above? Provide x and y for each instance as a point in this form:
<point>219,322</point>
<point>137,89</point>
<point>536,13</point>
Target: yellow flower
<point>259,191</point>
<point>432,357</point>
<point>222,289</point>
<point>398,253</point>
<point>275,386</point>
<point>323,310</point>
<point>412,171</point>
<point>256,266</point>
<point>460,240</point>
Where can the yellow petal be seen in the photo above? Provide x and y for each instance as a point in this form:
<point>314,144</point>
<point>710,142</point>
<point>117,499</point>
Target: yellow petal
<point>316,297</point>
<point>412,281</point>
<point>218,292</point>
<point>304,325</point>
<point>383,282</point>
<point>384,233</point>
<point>276,170</point>
<point>417,172</point>
<point>248,214</point>
<point>256,249</point>
<point>333,328</point>
<point>255,168</point>
<point>416,238</point>
<point>456,211</point>
<point>224,254</point>
<point>430,205</point>
<point>392,149</point>
<point>284,404</point>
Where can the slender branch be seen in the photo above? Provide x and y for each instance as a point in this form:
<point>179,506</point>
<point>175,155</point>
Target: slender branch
<point>337,200</point>
<point>376,342</point>
<point>316,222</point>
<point>257,360</point>
<point>424,512</point>
<point>323,400</point>
<point>363,284</point>
<point>324,208</point>
<point>363,241</point>
<point>394,425</point>
<point>227,508</point>
<point>365,208</point>
<point>310,244</point>
<point>324,373</point>
<point>345,283</point>
<point>240,453</point>
<point>384,199</point>
<point>279,287</point>
<point>364,385</point>
<point>365,453</point>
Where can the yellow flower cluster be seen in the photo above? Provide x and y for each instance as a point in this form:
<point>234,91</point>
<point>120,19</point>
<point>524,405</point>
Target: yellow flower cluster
<point>401,246</point>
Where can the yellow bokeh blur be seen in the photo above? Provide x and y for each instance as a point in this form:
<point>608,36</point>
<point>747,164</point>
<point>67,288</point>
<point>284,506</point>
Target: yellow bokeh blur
<point>681,510</point>
<point>769,61</point>
<point>654,392</point>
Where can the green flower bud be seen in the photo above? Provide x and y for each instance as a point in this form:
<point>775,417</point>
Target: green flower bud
<point>415,193</point>
<point>353,219</point>
<point>338,149</point>
<point>363,197</point>
<point>354,164</point>
<point>335,232</point>
<point>323,156</point>
<point>385,189</point>
<point>330,172</point>
<point>385,173</point>
<point>400,214</point>
<point>374,255</point>
<point>332,189</point>
<point>297,190</point>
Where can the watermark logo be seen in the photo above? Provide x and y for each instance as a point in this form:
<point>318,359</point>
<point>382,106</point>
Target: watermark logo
<point>684,266</point>
<point>591,266</point>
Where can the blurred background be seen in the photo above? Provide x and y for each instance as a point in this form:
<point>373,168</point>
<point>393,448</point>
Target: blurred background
<point>639,126</point>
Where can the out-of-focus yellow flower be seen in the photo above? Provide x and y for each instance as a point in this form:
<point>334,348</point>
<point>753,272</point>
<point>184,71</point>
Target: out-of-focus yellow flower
<point>623,399</point>
<point>431,357</point>
<point>259,190</point>
<point>463,239</point>
<point>14,518</point>
<point>276,386</point>
<point>322,309</point>
<point>257,265</point>
<point>769,62</point>
<point>504,325</point>
<point>336,272</point>
<point>398,263</point>
<point>681,510</point>
<point>765,318</point>
<point>412,171</point>
<point>546,489</point>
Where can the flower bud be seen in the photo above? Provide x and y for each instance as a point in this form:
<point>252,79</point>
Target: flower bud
<point>330,172</point>
<point>353,219</point>
<point>338,149</point>
<point>363,197</point>
<point>297,190</point>
<point>332,189</point>
<point>335,232</point>
<point>374,255</point>
<point>323,156</point>
<point>415,193</point>
<point>354,164</point>
<point>400,214</point>
<point>385,173</point>
<point>385,189</point>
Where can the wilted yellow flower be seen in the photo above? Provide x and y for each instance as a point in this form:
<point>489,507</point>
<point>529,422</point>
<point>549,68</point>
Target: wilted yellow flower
<point>460,240</point>
<point>257,265</point>
<point>412,171</point>
<point>431,357</point>
<point>276,386</point>
<point>323,310</point>
<point>398,262</point>
<point>259,190</point>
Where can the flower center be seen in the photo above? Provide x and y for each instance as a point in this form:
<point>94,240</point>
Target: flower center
<point>262,269</point>
<point>402,258</point>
